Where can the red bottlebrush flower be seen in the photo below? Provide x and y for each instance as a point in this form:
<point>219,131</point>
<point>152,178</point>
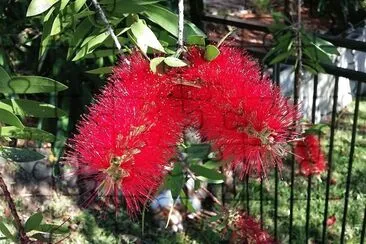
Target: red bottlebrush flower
<point>128,136</point>
<point>245,229</point>
<point>310,156</point>
<point>331,220</point>
<point>244,115</point>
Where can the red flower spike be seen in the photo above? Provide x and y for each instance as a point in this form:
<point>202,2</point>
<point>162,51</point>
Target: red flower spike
<point>310,156</point>
<point>245,229</point>
<point>245,116</point>
<point>128,137</point>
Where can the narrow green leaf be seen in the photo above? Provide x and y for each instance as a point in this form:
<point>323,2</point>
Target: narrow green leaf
<point>39,6</point>
<point>20,155</point>
<point>90,43</point>
<point>169,21</point>
<point>63,4</point>
<point>6,231</point>
<point>102,70</point>
<point>9,118</point>
<point>136,2</point>
<point>186,201</point>
<point>4,77</point>
<point>40,237</point>
<point>280,57</point>
<point>198,151</point>
<point>166,37</point>
<point>33,222</point>
<point>175,180</point>
<point>145,37</point>
<point>56,26</point>
<point>201,170</point>
<point>155,62</point>
<point>211,52</point>
<point>102,53</point>
<point>28,133</point>
<point>31,84</point>
<point>54,229</point>
<point>196,40</point>
<point>31,108</point>
<point>174,62</point>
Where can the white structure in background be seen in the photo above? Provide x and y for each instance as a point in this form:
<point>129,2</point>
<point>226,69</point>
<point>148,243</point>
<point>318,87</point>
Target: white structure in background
<point>348,59</point>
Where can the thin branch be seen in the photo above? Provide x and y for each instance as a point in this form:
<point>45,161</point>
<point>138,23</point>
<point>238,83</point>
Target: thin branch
<point>180,27</point>
<point>180,23</point>
<point>109,27</point>
<point>23,236</point>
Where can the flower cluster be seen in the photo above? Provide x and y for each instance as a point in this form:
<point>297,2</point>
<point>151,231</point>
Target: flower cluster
<point>245,229</point>
<point>129,134</point>
<point>243,114</point>
<point>310,156</point>
<point>127,138</point>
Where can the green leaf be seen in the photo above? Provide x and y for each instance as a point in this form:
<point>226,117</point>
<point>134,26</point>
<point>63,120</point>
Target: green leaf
<point>212,164</point>
<point>33,222</point>
<point>4,77</point>
<point>20,155</point>
<point>40,237</point>
<point>39,6</point>
<point>31,108</point>
<point>102,53</point>
<point>201,170</point>
<point>196,40</point>
<point>6,231</point>
<point>280,57</point>
<point>31,84</point>
<point>318,129</point>
<point>145,37</point>
<point>102,70</point>
<point>167,38</point>
<point>28,133</point>
<point>186,201</point>
<point>63,4</point>
<point>9,118</point>
<point>175,180</point>
<point>78,36</point>
<point>90,43</point>
<point>211,52</point>
<point>169,21</point>
<point>174,62</point>
<point>154,63</point>
<point>56,26</point>
<point>54,229</point>
<point>46,33</point>
<point>214,218</point>
<point>198,151</point>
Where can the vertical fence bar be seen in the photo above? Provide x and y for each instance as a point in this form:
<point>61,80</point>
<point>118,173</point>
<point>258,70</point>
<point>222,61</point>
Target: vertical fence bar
<point>276,77</point>
<point>308,196</point>
<point>247,192</point>
<point>350,162</point>
<point>363,228</point>
<point>297,82</point>
<point>330,158</point>
<point>261,202</point>
<point>196,11</point>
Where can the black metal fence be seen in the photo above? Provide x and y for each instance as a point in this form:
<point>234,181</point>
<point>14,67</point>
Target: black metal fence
<point>323,233</point>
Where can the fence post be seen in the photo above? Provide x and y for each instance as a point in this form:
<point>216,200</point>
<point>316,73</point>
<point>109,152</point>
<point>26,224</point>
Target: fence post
<point>196,11</point>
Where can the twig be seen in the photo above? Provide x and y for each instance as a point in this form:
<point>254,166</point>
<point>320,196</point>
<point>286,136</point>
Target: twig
<point>180,27</point>
<point>109,27</point>
<point>180,23</point>
<point>23,236</point>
